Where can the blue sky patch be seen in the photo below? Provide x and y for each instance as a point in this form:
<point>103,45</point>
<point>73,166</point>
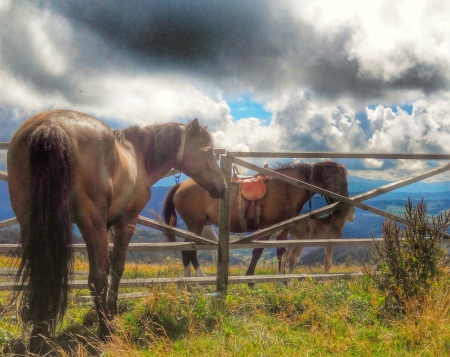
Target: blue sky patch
<point>246,107</point>
<point>407,107</point>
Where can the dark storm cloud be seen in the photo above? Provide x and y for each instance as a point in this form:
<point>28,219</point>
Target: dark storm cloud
<point>248,46</point>
<point>256,45</point>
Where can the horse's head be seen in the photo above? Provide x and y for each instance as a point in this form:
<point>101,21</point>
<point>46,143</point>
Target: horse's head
<point>330,176</point>
<point>198,160</point>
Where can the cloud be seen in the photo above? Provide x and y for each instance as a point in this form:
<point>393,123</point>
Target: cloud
<point>308,125</point>
<point>248,134</point>
<point>258,46</point>
<point>425,130</point>
<point>316,65</point>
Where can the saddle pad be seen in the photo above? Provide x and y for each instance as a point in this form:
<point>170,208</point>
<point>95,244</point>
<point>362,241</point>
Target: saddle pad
<point>253,190</point>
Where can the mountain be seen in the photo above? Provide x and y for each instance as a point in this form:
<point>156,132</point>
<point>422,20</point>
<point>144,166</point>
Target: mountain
<point>436,195</point>
<point>359,184</point>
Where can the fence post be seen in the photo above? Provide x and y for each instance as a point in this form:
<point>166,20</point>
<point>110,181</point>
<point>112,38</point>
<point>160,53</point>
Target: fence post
<point>223,255</point>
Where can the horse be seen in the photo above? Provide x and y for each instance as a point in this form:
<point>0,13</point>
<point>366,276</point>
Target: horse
<point>65,168</point>
<point>281,201</point>
<point>328,227</point>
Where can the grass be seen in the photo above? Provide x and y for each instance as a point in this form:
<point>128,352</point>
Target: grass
<point>306,318</point>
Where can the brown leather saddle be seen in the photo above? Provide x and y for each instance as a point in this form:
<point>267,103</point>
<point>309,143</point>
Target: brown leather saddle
<point>251,190</point>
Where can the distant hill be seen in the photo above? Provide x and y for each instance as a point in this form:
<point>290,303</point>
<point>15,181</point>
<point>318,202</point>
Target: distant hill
<point>341,255</point>
<point>436,195</point>
<point>359,184</point>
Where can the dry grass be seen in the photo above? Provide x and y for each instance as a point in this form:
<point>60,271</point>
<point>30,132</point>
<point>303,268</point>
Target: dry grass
<point>307,318</point>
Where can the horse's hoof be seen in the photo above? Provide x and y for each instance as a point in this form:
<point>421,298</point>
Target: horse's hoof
<point>39,345</point>
<point>199,273</point>
<point>16,347</point>
<point>105,332</point>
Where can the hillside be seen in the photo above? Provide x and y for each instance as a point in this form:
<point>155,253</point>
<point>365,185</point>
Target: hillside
<point>365,225</point>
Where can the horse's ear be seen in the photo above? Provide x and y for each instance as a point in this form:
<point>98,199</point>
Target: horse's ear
<point>195,127</point>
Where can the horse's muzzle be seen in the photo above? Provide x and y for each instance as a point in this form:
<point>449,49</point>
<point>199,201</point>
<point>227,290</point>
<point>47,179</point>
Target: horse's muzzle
<point>218,192</point>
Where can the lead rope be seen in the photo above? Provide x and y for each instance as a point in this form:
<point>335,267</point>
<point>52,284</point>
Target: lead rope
<point>177,177</point>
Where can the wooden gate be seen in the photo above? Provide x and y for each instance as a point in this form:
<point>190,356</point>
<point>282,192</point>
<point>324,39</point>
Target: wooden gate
<point>195,242</point>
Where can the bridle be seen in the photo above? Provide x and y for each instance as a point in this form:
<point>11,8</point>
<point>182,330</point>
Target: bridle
<point>334,178</point>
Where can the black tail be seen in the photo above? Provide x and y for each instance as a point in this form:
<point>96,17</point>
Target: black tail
<point>169,214</point>
<point>47,256</point>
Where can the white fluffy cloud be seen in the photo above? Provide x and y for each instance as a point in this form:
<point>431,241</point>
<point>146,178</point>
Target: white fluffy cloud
<point>335,75</point>
<point>425,130</point>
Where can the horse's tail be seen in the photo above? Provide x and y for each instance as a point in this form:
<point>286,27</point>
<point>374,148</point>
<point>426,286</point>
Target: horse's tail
<point>47,256</point>
<point>169,214</point>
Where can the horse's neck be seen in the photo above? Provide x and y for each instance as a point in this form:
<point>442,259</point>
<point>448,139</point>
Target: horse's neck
<point>167,147</point>
<point>339,216</point>
<point>158,146</point>
<point>301,195</point>
<point>300,231</point>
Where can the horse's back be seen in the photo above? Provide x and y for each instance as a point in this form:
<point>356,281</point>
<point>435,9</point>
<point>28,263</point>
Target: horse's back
<point>82,130</point>
<point>194,205</point>
<point>90,149</point>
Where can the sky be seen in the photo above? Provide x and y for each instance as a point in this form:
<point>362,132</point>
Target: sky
<point>325,75</point>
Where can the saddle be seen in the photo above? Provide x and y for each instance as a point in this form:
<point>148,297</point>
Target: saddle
<point>251,190</point>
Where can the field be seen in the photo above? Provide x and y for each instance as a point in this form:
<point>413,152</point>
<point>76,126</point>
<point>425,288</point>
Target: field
<point>306,318</point>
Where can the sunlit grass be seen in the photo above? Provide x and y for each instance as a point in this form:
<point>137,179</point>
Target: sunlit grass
<point>305,318</point>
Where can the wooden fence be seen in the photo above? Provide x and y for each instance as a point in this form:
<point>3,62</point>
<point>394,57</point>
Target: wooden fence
<point>195,242</point>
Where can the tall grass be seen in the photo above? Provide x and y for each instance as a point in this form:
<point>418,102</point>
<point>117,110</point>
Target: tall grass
<point>306,318</point>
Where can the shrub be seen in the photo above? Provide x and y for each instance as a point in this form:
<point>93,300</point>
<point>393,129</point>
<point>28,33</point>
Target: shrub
<point>407,261</point>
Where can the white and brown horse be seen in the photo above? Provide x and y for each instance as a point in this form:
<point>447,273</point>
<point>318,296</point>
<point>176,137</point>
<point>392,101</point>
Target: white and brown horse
<point>67,167</point>
<point>328,227</point>
<point>281,201</point>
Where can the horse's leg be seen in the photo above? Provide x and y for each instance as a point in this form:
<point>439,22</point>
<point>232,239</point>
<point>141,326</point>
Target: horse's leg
<point>328,258</point>
<point>209,232</point>
<point>191,257</point>
<point>257,252</point>
<point>186,257</point>
<point>294,258</point>
<point>95,234</point>
<point>281,250</point>
<point>286,256</point>
<point>122,233</point>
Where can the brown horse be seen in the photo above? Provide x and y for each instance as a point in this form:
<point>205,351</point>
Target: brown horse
<point>66,167</point>
<point>328,227</point>
<point>282,201</point>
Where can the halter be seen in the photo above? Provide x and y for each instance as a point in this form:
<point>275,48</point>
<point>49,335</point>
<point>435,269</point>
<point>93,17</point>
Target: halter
<point>334,178</point>
<point>181,149</point>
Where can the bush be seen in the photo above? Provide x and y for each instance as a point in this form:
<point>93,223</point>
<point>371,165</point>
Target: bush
<point>407,262</point>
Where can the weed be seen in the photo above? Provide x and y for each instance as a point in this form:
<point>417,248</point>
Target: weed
<point>407,261</point>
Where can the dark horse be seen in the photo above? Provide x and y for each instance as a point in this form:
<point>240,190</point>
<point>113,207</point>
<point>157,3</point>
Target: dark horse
<point>282,201</point>
<point>66,167</point>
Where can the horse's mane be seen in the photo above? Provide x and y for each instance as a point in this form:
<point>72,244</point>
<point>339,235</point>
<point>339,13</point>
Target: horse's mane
<point>158,141</point>
<point>339,171</point>
<point>289,166</point>
<point>141,133</point>
<point>319,167</point>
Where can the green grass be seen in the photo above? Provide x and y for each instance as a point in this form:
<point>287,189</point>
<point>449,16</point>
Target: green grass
<point>306,318</point>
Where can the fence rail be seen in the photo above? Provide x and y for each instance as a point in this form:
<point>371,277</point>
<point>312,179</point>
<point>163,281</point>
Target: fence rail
<point>249,241</point>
